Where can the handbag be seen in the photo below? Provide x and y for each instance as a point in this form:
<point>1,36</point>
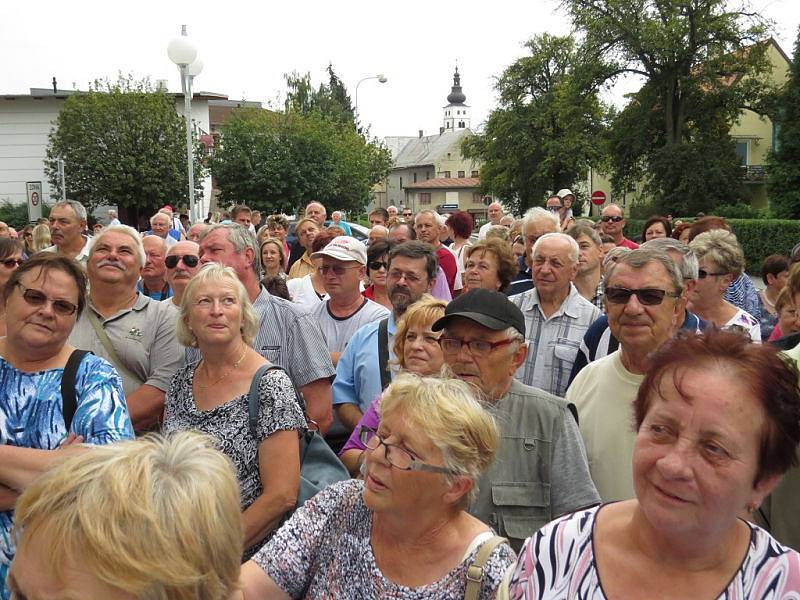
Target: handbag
<point>476,571</point>
<point>319,466</point>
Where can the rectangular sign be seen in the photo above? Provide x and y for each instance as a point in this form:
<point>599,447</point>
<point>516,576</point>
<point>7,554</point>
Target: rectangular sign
<point>34,190</point>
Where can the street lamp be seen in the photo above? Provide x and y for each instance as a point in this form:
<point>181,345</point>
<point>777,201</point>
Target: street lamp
<point>182,52</point>
<point>381,79</point>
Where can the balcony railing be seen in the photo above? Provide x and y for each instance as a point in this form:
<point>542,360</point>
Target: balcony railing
<point>754,173</point>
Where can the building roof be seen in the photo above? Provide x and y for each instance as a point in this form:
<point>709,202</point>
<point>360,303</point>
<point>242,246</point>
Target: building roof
<point>445,182</point>
<point>428,149</point>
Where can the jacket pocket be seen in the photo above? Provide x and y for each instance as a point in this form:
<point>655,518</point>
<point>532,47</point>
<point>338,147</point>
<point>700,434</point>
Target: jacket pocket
<point>522,507</point>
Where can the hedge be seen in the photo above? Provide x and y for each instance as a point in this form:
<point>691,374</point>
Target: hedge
<point>759,237</point>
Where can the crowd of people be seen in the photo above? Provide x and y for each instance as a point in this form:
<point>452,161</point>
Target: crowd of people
<point>525,410</point>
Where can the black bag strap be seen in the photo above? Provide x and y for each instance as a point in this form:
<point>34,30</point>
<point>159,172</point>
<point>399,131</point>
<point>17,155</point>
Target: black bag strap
<point>69,401</point>
<point>383,352</point>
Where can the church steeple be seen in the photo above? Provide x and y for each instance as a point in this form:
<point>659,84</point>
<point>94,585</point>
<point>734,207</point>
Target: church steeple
<point>456,113</point>
<point>456,96</point>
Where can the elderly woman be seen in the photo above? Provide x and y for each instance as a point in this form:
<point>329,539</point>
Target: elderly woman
<point>656,227</point>
<point>417,349</point>
<point>714,436</point>
<point>490,264</point>
<point>273,258</point>
<point>132,520</point>
<point>403,532</point>
<point>307,229</point>
<point>377,265</point>
<point>211,396</point>
<point>10,259</point>
<point>721,261</point>
<point>48,394</point>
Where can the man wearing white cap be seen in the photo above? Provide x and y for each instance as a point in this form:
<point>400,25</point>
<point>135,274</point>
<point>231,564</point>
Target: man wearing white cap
<point>342,266</point>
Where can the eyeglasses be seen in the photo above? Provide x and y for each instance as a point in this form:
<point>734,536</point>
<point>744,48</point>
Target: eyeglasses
<point>38,298</point>
<point>476,347</point>
<point>190,260</point>
<point>607,218</point>
<point>10,263</point>
<point>645,296</point>
<point>412,278</point>
<point>407,214</point>
<point>702,274</point>
<point>396,456</point>
<point>338,270</point>
<point>376,265</point>
<point>554,208</point>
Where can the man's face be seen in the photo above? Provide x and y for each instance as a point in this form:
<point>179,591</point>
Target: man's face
<point>160,225</point>
<point>553,270</point>
<point>195,231</point>
<point>612,221</point>
<point>400,233</point>
<point>406,281</point>
<point>495,213</point>
<point>640,328</point>
<point>341,277</point>
<point>533,231</point>
<point>243,218</point>
<point>589,256</point>
<point>114,260</point>
<point>154,257</point>
<point>408,214</point>
<point>216,247</point>
<point>554,204</point>
<point>316,211</point>
<point>491,372</point>
<point>427,228</point>
<point>376,219</point>
<point>181,273</point>
<point>65,227</point>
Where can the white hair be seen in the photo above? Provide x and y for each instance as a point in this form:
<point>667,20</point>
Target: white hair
<point>127,230</point>
<point>538,213</point>
<point>574,249</point>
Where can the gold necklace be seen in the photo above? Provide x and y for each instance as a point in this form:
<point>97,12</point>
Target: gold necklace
<point>228,372</point>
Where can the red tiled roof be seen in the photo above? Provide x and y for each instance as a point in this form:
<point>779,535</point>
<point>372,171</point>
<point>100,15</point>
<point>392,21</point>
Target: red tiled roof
<point>445,182</point>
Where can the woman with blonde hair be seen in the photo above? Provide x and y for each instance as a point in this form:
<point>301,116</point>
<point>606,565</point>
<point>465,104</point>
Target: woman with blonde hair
<point>402,532</point>
<point>272,258</point>
<point>41,237</point>
<point>211,396</point>
<point>132,520</point>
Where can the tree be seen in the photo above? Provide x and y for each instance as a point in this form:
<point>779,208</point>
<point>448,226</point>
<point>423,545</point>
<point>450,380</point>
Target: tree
<point>544,135</point>
<point>123,143</point>
<point>701,65</point>
<point>784,164</point>
<point>331,101</point>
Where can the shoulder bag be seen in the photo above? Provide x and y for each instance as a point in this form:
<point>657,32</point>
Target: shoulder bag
<point>475,571</point>
<point>69,401</point>
<point>113,357</point>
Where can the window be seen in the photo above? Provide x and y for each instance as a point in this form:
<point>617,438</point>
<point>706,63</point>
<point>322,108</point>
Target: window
<point>742,151</point>
<point>448,124</point>
<point>415,177</point>
<point>401,183</point>
<point>461,175</point>
<point>474,174</point>
<point>461,124</point>
<point>446,174</point>
<point>425,198</point>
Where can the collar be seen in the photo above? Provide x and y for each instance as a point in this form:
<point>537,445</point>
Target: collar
<point>569,307</point>
<point>141,303</point>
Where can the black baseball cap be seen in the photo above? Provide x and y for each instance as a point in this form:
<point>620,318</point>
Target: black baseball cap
<point>486,307</point>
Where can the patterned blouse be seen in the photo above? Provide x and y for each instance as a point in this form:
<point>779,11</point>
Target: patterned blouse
<point>324,551</point>
<point>558,562</point>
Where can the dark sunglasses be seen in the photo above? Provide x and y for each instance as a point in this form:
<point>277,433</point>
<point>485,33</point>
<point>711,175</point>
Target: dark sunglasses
<point>645,296</point>
<point>190,260</point>
<point>377,264</point>
<point>606,219</point>
<point>37,298</point>
<point>10,263</point>
<point>702,273</point>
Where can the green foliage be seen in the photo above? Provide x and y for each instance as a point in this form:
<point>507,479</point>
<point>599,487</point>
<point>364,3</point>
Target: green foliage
<point>331,101</point>
<point>278,162</point>
<point>123,144</point>
<point>544,135</point>
<point>16,215</point>
<point>783,184</point>
<point>741,211</point>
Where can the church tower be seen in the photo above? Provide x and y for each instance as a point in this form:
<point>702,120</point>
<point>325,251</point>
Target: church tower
<point>456,113</point>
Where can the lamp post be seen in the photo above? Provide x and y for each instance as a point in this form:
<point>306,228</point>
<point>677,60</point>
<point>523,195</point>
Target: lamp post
<point>381,79</point>
<point>182,52</point>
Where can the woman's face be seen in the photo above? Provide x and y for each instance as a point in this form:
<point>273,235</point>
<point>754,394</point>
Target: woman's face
<point>696,453</point>
<point>377,271</point>
<point>45,319</point>
<point>684,236</point>
<point>481,272</point>
<point>271,258</point>
<point>278,231</point>
<point>7,266</point>
<point>215,315</point>
<point>789,317</point>
<point>421,351</point>
<point>656,230</point>
<point>306,235</point>
<point>711,287</point>
<point>777,282</point>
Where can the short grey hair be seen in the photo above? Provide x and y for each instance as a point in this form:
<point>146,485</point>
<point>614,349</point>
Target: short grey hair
<point>161,215</point>
<point>574,249</point>
<point>537,213</point>
<point>78,208</point>
<point>721,248</point>
<point>241,238</point>
<point>688,262</point>
<point>514,335</point>
<point>428,211</point>
<point>112,213</point>
<point>642,257</point>
<point>124,229</point>
<point>590,232</point>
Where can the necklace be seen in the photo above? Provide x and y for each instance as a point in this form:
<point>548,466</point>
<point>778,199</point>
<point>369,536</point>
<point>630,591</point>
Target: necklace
<point>228,372</point>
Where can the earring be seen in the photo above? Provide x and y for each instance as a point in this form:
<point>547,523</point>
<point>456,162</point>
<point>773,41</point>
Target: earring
<point>751,507</point>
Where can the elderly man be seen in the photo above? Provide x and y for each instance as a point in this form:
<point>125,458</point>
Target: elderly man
<point>153,282</point>
<point>160,226</point>
<point>536,222</point>
<point>427,227</point>
<point>556,315</point>
<point>392,211</point>
<point>589,279</point>
<point>612,223</point>
<point>401,232</point>
<point>411,273</point>
<point>336,221</point>
<point>288,336</point>
<point>112,218</point>
<point>196,232</point>
<point>495,214</point>
<point>67,224</point>
<point>182,263</point>
<point>645,304</point>
<point>316,211</point>
<point>134,333</point>
<point>540,471</point>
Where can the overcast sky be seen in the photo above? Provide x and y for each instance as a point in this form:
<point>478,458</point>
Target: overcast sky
<point>247,46</point>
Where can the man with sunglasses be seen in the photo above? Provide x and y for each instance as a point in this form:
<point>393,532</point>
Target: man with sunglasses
<point>182,262</point>
<point>540,471</point>
<point>612,223</point>
<point>645,304</point>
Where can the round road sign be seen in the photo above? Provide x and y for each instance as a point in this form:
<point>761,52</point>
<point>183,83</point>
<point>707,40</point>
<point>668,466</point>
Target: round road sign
<point>598,197</point>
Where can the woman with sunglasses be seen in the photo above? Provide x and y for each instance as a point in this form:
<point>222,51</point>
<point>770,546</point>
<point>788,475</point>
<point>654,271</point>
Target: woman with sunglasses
<point>377,261</point>
<point>10,259</point>
<point>43,299</point>
<point>402,532</point>
<point>721,261</point>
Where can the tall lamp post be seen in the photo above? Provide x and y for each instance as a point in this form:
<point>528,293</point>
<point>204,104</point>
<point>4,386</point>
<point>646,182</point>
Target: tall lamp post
<point>182,52</point>
<point>381,79</point>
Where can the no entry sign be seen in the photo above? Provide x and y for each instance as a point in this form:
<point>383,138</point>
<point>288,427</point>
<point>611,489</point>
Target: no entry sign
<point>598,197</point>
